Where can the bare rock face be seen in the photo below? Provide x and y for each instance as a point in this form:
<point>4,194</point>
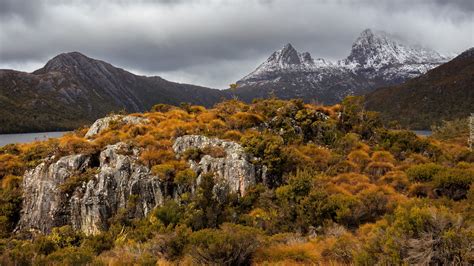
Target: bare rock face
<point>233,170</point>
<point>44,203</point>
<point>102,124</point>
<point>119,180</point>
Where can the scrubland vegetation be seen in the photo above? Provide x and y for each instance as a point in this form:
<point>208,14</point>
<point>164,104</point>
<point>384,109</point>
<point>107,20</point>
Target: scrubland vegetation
<point>340,189</point>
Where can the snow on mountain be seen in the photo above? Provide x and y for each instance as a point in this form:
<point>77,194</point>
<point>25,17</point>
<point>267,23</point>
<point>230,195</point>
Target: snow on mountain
<point>286,60</point>
<point>376,59</point>
<point>378,54</point>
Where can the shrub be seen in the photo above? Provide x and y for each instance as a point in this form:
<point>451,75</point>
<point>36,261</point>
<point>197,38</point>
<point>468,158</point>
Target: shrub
<point>98,243</point>
<point>348,142</point>
<point>69,256</point>
<point>230,245</point>
<point>453,183</point>
<point>214,151</point>
<point>71,144</point>
<point>172,246</point>
<point>396,179</point>
<point>164,171</point>
<point>194,154</point>
<point>269,149</point>
<point>71,183</point>
<point>342,167</point>
<point>417,235</point>
<point>452,130</point>
<point>341,249</point>
<point>383,157</point>
<point>243,120</point>
<point>292,252</point>
<point>152,157</point>
<point>163,108</point>
<point>169,213</point>
<point>11,182</point>
<point>10,164</point>
<point>65,236</point>
<point>423,172</point>
<point>234,135</point>
<point>420,190</point>
<point>185,177</point>
<point>378,169</point>
<point>359,157</point>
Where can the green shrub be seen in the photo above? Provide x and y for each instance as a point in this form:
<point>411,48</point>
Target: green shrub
<point>423,172</point>
<point>172,246</point>
<point>164,171</point>
<point>75,181</point>
<point>230,245</point>
<point>192,154</point>
<point>185,177</point>
<point>453,183</point>
<point>417,235</point>
<point>170,213</point>
<point>98,243</point>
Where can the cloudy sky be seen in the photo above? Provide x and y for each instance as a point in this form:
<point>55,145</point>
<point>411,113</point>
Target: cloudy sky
<point>214,43</point>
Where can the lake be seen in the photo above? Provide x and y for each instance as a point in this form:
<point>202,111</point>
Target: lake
<point>425,133</point>
<point>28,137</point>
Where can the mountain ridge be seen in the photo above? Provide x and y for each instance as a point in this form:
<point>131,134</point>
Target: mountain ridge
<point>376,59</point>
<point>443,93</point>
<point>73,90</point>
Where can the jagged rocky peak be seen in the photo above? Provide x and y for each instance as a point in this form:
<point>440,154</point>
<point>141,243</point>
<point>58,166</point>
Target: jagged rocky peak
<point>286,56</point>
<point>285,60</point>
<point>376,49</point>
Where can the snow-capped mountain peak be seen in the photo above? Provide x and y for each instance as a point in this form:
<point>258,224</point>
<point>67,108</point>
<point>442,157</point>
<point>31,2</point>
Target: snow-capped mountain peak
<point>378,49</point>
<point>286,60</point>
<point>376,59</point>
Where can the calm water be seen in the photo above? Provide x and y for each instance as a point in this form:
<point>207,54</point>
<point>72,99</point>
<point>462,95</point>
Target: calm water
<point>28,137</point>
<point>425,133</point>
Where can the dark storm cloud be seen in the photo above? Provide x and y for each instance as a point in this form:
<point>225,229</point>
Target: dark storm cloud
<point>211,42</point>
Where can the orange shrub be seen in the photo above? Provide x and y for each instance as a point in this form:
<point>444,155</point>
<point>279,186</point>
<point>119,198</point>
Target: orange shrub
<point>343,167</point>
<point>359,157</point>
<point>383,157</point>
<point>421,190</point>
<point>378,169</point>
<point>234,135</point>
<point>71,144</point>
<point>396,179</point>
<point>242,120</point>
<point>206,117</point>
<point>152,157</point>
<point>10,164</point>
<point>10,182</point>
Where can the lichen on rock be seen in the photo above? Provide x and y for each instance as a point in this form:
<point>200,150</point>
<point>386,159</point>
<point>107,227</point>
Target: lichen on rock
<point>104,123</point>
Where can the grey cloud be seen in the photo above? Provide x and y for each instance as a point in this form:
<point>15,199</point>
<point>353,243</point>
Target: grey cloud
<point>211,42</point>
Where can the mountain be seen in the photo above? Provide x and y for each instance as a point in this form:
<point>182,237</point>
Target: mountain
<point>289,74</point>
<point>376,59</point>
<point>72,90</point>
<point>443,93</point>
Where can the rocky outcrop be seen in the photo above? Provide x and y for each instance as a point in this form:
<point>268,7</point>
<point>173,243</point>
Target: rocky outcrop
<point>234,170</point>
<point>104,123</point>
<point>119,179</point>
<point>85,191</point>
